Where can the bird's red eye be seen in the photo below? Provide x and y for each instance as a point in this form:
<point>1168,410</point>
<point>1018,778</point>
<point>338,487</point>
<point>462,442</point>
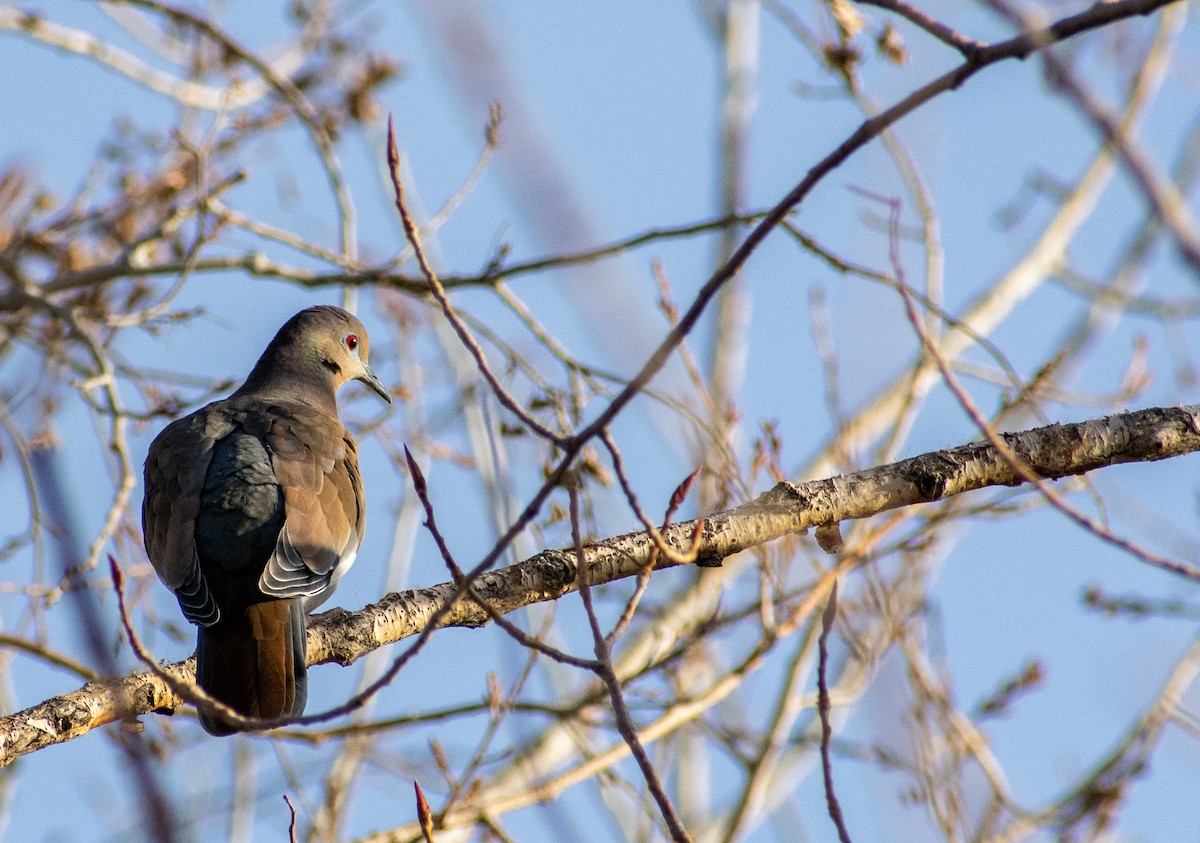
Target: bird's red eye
<point>352,342</point>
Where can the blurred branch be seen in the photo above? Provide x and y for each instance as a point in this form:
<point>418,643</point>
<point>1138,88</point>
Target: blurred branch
<point>183,91</point>
<point>439,293</point>
<point>48,655</point>
<point>832,804</point>
<point>947,35</point>
<point>258,264</point>
<point>1168,205</point>
<point>998,300</point>
<point>690,659</point>
<point>1019,47</point>
<point>290,93</point>
<point>344,637</point>
<point>1095,794</point>
<point>729,345</point>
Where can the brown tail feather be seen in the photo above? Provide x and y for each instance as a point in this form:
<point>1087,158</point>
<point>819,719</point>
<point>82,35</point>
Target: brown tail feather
<point>249,663</point>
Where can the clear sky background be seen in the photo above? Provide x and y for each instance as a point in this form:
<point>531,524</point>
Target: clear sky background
<point>624,100</point>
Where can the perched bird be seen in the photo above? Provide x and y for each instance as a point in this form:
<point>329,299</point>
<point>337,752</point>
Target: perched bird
<point>254,510</point>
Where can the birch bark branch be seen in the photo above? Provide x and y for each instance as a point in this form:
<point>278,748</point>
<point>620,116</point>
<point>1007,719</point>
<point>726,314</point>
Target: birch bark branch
<point>1051,452</point>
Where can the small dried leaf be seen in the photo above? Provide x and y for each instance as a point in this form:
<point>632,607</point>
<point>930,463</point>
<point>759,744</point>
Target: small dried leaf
<point>849,21</point>
<point>491,132</point>
<point>439,756</point>
<point>494,695</point>
<point>829,537</point>
<point>831,607</point>
<point>841,58</point>
<point>591,466</point>
<point>891,45</point>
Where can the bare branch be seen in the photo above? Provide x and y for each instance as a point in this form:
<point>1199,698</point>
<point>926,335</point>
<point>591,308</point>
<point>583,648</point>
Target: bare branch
<point>344,637</point>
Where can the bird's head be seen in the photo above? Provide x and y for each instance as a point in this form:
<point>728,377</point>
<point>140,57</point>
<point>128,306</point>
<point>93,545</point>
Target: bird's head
<point>343,347</point>
<point>322,344</point>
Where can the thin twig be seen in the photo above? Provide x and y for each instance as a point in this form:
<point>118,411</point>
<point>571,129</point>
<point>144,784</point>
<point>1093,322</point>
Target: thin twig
<point>46,654</point>
<point>439,293</point>
<point>519,635</point>
<point>1019,47</point>
<point>1164,198</point>
<point>182,687</point>
<point>624,719</point>
<point>998,442</point>
<point>661,548</point>
<point>292,821</point>
<point>831,800</point>
<point>293,96</point>
<point>968,47</point>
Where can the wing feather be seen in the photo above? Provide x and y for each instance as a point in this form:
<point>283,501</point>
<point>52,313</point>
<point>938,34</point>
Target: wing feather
<point>316,466</point>
<point>174,473</point>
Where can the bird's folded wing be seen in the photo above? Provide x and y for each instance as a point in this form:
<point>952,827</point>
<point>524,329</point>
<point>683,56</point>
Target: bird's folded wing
<point>316,466</point>
<point>175,469</point>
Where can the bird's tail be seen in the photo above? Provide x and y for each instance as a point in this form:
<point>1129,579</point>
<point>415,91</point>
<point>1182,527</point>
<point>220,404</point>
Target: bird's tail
<point>255,662</point>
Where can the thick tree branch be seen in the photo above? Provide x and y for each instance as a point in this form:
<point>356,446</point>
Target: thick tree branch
<point>344,637</point>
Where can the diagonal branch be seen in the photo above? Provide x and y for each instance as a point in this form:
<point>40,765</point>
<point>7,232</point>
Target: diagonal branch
<point>344,637</point>
<point>1166,202</point>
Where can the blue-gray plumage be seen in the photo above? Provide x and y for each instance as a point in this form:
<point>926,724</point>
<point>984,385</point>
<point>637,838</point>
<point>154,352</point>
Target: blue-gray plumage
<point>254,509</point>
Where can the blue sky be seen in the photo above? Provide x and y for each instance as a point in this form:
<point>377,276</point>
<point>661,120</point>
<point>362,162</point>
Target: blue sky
<point>625,99</point>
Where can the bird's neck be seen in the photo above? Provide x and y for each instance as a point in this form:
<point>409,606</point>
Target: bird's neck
<point>286,376</point>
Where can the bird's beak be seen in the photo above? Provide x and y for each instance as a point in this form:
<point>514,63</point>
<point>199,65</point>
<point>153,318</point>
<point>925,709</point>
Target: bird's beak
<point>368,377</point>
